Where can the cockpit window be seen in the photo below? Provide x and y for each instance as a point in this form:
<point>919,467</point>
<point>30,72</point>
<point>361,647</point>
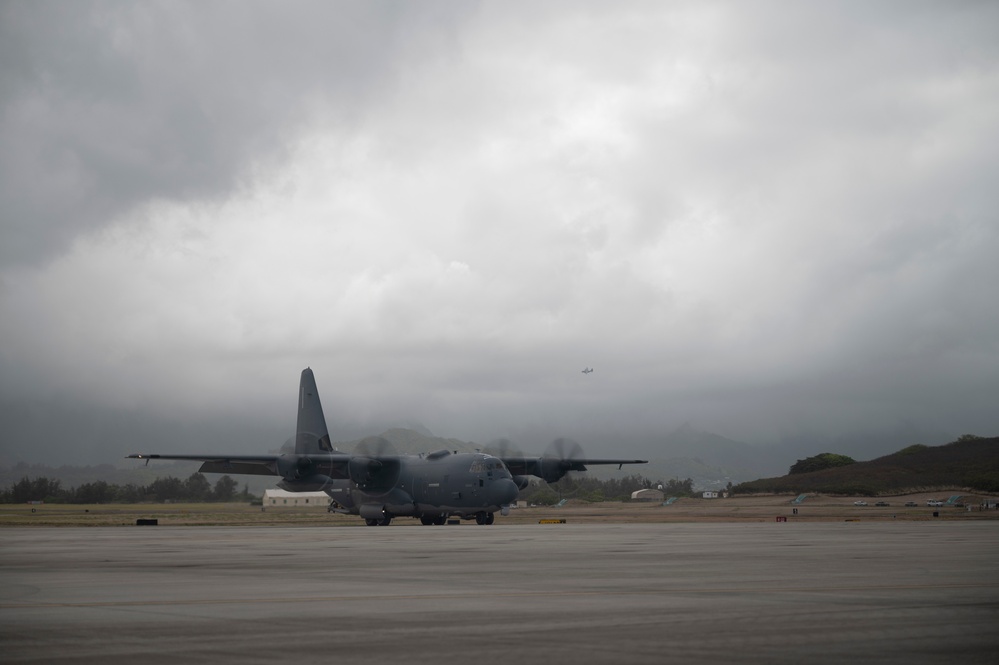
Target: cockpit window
<point>486,464</point>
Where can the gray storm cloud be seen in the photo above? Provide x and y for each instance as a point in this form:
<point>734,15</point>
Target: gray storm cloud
<point>763,220</point>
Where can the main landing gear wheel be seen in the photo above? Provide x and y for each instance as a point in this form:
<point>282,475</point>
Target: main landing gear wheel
<point>385,521</point>
<point>485,518</point>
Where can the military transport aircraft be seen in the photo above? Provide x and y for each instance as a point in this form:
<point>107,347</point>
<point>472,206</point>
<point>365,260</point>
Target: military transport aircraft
<point>378,487</point>
<point>588,370</point>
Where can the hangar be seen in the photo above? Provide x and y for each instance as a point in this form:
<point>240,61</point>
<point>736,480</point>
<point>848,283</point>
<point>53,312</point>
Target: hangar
<point>283,499</point>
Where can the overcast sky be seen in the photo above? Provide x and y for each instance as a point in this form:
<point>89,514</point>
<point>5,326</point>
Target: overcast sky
<point>764,219</point>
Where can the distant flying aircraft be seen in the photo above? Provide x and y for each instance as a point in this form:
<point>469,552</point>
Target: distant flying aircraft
<point>378,487</point>
<point>587,370</point>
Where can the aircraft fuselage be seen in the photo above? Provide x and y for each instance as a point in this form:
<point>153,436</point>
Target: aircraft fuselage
<point>431,487</point>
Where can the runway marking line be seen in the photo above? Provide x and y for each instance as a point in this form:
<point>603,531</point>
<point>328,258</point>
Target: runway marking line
<point>511,594</point>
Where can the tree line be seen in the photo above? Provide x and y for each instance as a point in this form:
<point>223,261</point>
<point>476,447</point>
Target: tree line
<point>195,489</point>
<point>588,488</point>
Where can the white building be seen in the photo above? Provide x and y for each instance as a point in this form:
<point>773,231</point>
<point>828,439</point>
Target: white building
<point>709,494</point>
<point>283,499</point>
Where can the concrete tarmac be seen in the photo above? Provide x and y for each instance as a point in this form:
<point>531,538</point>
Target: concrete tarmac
<point>913,592</point>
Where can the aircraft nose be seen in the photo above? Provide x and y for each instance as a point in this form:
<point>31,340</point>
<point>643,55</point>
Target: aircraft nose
<point>503,492</point>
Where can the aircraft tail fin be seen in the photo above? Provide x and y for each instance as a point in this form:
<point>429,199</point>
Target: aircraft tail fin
<point>311,435</point>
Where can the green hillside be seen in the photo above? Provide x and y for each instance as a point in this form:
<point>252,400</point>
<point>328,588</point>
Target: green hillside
<point>970,462</point>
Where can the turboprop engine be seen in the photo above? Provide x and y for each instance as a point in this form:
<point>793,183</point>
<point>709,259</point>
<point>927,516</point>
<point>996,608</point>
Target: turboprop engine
<point>521,481</point>
<point>374,475</point>
<point>299,474</point>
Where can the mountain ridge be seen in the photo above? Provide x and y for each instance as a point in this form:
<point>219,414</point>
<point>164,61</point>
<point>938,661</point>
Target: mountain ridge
<point>971,462</point>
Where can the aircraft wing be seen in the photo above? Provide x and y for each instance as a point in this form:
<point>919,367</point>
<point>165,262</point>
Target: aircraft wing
<point>333,465</point>
<point>257,465</point>
<point>552,469</point>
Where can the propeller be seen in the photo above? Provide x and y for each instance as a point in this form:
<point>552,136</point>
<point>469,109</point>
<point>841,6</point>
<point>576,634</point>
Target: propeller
<point>375,446</point>
<point>516,463</point>
<point>295,467</point>
<point>502,448</point>
<point>300,473</point>
<point>562,456</point>
<point>375,465</point>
